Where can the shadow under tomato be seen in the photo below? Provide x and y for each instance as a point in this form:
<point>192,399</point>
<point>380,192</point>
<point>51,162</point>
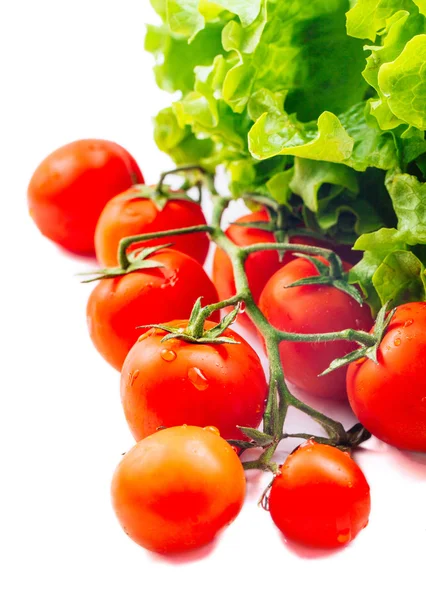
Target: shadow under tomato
<point>257,482</point>
<point>309,552</point>
<point>187,557</point>
<point>412,463</point>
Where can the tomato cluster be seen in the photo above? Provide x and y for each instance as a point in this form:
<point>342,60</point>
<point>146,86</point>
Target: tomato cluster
<point>187,379</point>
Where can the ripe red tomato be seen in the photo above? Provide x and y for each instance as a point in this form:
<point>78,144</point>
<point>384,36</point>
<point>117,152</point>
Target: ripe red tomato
<point>390,398</point>
<point>71,186</point>
<point>312,309</point>
<point>174,382</point>
<point>177,489</point>
<point>118,306</point>
<point>123,217</point>
<point>320,498</point>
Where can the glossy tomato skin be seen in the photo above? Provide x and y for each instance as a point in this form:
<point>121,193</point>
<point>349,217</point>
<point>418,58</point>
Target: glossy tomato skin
<point>169,383</point>
<point>390,398</point>
<point>118,306</point>
<point>312,309</point>
<point>71,186</point>
<point>320,498</point>
<point>123,217</point>
<point>177,489</point>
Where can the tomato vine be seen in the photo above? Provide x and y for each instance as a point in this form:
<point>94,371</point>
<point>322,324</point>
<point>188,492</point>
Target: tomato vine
<point>280,397</point>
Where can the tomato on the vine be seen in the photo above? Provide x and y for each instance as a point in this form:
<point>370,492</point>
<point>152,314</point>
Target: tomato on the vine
<point>128,214</point>
<point>311,309</point>
<point>71,186</point>
<point>173,382</point>
<point>259,266</point>
<point>320,497</point>
<point>178,488</point>
<point>389,398</point>
<point>119,305</point>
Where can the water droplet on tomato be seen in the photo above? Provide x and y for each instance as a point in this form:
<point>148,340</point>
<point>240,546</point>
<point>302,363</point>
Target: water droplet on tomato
<point>168,355</point>
<point>408,323</point>
<point>212,429</point>
<point>344,536</point>
<point>397,342</point>
<point>242,308</point>
<point>197,378</point>
<point>133,376</point>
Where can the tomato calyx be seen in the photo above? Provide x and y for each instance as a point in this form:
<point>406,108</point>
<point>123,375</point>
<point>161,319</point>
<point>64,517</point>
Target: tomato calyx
<point>139,259</point>
<point>332,275</point>
<point>195,333</point>
<point>367,350</point>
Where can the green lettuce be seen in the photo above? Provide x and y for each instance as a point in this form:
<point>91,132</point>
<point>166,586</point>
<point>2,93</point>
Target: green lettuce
<point>319,105</point>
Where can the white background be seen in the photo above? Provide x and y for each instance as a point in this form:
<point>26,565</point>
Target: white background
<point>77,69</point>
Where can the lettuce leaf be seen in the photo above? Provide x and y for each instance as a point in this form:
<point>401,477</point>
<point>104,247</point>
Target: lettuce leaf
<point>319,105</point>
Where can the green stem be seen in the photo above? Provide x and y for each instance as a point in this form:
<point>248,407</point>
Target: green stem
<point>350,335</point>
<point>177,171</point>
<point>125,243</point>
<point>197,328</point>
<point>277,406</point>
<point>279,397</point>
<point>336,266</point>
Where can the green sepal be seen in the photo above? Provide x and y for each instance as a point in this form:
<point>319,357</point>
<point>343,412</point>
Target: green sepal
<point>260,439</point>
<point>320,266</point>
<point>344,360</point>
<point>160,199</point>
<point>242,444</point>
<point>226,322</point>
<point>379,330</point>
<point>196,309</point>
<point>138,260</point>
<point>209,336</point>
<point>325,278</point>
<point>357,435</point>
<point>263,225</point>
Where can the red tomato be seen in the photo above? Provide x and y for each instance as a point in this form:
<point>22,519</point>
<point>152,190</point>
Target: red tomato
<point>123,217</point>
<point>390,398</point>
<point>320,498</point>
<point>118,306</point>
<point>71,186</point>
<point>177,489</point>
<point>174,382</point>
<point>312,309</point>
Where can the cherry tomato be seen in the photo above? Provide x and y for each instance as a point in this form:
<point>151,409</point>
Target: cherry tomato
<point>71,186</point>
<point>118,306</point>
<point>177,489</point>
<point>125,216</point>
<point>174,382</point>
<point>320,497</point>
<point>312,309</point>
<point>259,266</point>
<point>390,398</point>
